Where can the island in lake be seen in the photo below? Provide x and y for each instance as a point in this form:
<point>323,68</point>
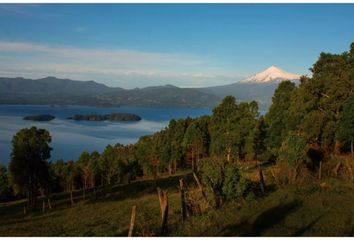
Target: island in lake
<point>41,117</point>
<point>109,117</point>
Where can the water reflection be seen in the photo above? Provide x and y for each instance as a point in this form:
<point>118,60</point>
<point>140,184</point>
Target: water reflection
<point>70,138</point>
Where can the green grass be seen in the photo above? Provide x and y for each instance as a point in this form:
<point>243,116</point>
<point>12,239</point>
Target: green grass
<point>294,211</point>
<point>306,211</point>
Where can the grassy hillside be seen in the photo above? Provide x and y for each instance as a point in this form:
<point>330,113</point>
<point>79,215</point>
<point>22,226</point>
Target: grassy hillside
<point>295,211</point>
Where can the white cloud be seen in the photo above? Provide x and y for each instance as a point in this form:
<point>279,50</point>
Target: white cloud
<point>115,67</point>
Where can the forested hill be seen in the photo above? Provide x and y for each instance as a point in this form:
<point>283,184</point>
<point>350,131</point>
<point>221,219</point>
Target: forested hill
<point>52,90</point>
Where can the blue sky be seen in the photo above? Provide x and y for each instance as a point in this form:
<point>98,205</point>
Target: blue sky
<point>188,45</point>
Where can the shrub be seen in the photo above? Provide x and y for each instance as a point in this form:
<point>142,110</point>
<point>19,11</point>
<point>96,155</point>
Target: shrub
<point>231,181</point>
<point>226,182</point>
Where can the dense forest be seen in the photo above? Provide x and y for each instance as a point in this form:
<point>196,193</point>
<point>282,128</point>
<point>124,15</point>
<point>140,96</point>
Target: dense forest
<point>308,128</point>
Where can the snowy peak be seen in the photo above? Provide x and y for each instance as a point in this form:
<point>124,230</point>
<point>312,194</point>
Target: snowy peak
<point>272,74</point>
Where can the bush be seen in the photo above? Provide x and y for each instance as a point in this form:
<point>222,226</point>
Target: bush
<point>226,182</point>
<point>231,181</point>
<point>293,149</point>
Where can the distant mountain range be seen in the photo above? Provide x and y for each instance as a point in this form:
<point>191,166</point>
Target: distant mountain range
<point>54,91</point>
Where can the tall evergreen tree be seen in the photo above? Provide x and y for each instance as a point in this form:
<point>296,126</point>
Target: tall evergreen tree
<point>345,127</point>
<point>29,168</point>
<point>4,184</point>
<point>278,116</point>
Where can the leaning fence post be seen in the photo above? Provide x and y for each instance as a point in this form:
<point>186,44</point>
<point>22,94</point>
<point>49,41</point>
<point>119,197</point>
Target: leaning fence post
<point>159,193</point>
<point>261,178</point>
<point>183,200</point>
<point>200,188</point>
<point>71,198</point>
<point>351,174</point>
<point>132,221</point>
<point>43,206</point>
<point>49,203</point>
<point>165,214</point>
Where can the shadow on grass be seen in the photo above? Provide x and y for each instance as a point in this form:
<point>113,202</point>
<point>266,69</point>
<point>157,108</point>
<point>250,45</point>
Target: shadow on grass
<point>264,221</point>
<point>139,188</point>
<point>30,218</point>
<point>12,213</point>
<point>302,230</point>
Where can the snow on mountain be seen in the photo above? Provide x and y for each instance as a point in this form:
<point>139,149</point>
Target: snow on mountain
<point>272,74</point>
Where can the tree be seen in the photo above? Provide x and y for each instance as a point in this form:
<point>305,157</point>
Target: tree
<point>223,134</point>
<point>29,161</point>
<point>229,127</point>
<point>5,188</point>
<point>72,172</point>
<point>83,164</point>
<point>255,143</point>
<point>93,166</point>
<point>292,153</point>
<point>317,103</point>
<point>196,140</point>
<point>163,149</point>
<point>107,164</point>
<point>146,157</point>
<point>278,115</point>
<point>345,127</point>
<point>176,131</point>
<point>59,174</point>
<point>247,115</point>
<point>222,177</point>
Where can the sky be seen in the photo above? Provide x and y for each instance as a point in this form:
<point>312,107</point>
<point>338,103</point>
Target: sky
<point>186,45</point>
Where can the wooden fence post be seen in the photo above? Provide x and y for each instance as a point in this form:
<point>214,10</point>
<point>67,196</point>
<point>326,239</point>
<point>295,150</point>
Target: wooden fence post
<point>159,193</point>
<point>71,198</point>
<point>132,221</point>
<point>163,200</point>
<point>43,206</point>
<point>201,189</point>
<point>24,209</point>
<point>183,200</point>
<point>336,169</point>
<point>49,203</point>
<point>261,178</point>
<point>165,214</point>
<point>351,175</point>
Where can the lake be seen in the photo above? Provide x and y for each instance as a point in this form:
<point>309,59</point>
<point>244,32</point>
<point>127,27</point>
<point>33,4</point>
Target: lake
<point>70,138</point>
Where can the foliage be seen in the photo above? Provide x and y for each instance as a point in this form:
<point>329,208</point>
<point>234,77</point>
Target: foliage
<point>255,143</point>
<point>293,149</point>
<point>345,127</point>
<point>278,115</point>
<point>229,127</point>
<point>196,140</point>
<point>29,161</point>
<point>5,189</point>
<point>317,103</point>
<point>231,181</point>
<point>222,177</point>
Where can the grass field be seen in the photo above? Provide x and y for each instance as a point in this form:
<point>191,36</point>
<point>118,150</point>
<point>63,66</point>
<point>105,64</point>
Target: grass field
<point>294,211</point>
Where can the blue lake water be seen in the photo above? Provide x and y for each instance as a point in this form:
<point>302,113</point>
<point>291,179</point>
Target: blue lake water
<point>70,138</point>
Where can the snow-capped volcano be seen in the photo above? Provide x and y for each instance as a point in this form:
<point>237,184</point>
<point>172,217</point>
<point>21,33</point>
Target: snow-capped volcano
<point>272,74</point>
